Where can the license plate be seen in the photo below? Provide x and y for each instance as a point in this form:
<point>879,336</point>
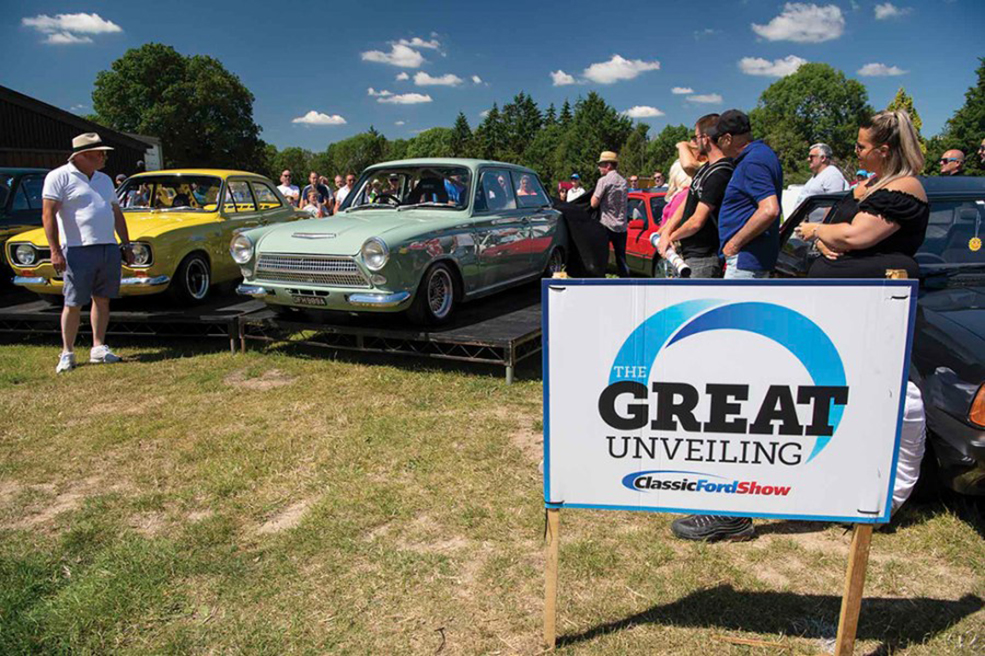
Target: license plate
<point>308,300</point>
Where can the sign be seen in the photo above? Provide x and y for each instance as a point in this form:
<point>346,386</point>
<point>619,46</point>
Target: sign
<point>772,398</point>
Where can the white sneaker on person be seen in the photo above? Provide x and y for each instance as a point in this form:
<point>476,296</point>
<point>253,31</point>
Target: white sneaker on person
<point>66,362</point>
<point>102,355</point>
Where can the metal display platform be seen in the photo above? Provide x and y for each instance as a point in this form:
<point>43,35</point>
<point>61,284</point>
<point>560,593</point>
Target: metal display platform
<point>504,329</point>
<point>134,317</point>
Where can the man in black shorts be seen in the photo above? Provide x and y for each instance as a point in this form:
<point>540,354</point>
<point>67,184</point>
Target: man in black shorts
<point>695,223</point>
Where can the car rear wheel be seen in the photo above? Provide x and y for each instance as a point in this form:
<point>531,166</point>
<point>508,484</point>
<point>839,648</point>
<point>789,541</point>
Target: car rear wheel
<point>436,297</point>
<point>192,280</point>
<point>555,263</point>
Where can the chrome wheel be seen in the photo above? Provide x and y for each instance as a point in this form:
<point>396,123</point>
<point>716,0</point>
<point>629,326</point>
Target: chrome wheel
<point>441,293</point>
<point>197,278</point>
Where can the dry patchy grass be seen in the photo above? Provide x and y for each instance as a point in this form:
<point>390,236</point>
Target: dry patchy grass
<point>274,503</point>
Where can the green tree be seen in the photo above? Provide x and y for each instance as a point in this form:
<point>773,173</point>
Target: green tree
<point>461,137</point>
<point>662,149</point>
<point>436,142</point>
<point>964,130</point>
<point>904,102</point>
<point>595,126</point>
<point>522,121</point>
<point>815,104</point>
<point>490,137</point>
<point>565,116</point>
<point>633,154</point>
<point>297,160</point>
<point>354,154</point>
<point>202,113</point>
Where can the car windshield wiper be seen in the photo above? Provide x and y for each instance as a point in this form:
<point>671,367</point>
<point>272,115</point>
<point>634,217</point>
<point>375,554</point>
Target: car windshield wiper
<point>429,203</point>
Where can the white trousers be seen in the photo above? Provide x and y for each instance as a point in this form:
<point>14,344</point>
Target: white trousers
<point>913,440</point>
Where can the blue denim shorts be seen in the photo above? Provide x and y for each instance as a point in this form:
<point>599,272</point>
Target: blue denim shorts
<point>91,271</point>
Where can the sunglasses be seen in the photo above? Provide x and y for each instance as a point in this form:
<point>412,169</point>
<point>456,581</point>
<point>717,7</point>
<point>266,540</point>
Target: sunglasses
<point>945,160</point>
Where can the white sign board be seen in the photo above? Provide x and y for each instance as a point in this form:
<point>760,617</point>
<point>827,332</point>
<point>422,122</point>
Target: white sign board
<point>774,398</point>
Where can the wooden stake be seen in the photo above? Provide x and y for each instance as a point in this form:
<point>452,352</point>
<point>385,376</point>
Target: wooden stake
<point>550,587</point>
<point>851,602</point>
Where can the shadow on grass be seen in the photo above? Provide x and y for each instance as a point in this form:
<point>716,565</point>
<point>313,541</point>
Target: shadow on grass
<point>896,623</point>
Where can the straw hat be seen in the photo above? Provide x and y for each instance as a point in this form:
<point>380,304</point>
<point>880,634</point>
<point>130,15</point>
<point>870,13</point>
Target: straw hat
<point>86,142</point>
<point>608,156</point>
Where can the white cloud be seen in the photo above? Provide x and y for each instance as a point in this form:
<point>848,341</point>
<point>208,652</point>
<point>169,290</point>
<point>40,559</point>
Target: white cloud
<point>681,91</point>
<point>65,38</point>
<point>699,34</point>
<point>476,79</point>
<point>617,69</point>
<point>63,29</point>
<point>706,98</point>
<point>775,68</point>
<point>804,23</point>
<point>317,118</point>
<point>399,55</point>
<point>642,111</point>
<point>378,94</point>
<point>880,70</point>
<point>399,122</point>
<point>888,10</point>
<point>484,113</point>
<point>422,79</point>
<point>406,99</point>
<point>402,76</point>
<point>561,78</point>
<point>418,42</point>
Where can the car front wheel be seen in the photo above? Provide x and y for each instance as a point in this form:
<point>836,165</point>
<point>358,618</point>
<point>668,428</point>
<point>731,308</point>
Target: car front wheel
<point>436,297</point>
<point>192,280</point>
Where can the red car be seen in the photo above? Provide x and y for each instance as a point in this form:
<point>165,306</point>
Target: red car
<point>645,210</point>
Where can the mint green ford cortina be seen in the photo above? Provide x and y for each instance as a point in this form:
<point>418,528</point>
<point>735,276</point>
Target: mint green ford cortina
<point>419,236</point>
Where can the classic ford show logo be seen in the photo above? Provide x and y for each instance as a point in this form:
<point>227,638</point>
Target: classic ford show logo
<point>767,421</point>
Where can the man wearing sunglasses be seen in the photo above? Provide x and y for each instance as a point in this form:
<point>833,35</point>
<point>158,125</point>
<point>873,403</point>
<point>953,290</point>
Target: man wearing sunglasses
<point>952,162</point>
<point>825,178</point>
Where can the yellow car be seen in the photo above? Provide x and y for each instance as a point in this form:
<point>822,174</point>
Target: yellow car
<point>179,228</point>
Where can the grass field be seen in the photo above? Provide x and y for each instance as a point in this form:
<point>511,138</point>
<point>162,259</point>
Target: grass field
<point>189,501</point>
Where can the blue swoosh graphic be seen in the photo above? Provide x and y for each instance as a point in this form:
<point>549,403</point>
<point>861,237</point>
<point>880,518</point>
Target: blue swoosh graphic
<point>644,343</point>
<point>803,338</point>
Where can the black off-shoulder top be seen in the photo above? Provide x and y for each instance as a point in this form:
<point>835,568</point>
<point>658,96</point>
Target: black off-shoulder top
<point>894,252</point>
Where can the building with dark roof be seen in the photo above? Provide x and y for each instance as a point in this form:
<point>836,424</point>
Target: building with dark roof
<point>36,134</point>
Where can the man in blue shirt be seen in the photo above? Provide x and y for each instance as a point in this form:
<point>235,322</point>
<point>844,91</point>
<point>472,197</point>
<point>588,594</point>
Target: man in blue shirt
<point>749,219</point>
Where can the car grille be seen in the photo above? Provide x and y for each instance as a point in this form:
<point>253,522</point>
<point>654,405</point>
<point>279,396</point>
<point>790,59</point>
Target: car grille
<point>311,269</point>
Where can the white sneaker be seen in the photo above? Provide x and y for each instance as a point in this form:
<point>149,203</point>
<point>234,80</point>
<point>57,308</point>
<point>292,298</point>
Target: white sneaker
<point>66,362</point>
<point>102,355</point>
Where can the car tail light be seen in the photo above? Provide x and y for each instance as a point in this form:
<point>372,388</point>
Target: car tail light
<point>977,414</point>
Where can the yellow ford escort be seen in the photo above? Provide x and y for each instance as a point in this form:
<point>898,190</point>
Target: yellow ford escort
<point>180,223</point>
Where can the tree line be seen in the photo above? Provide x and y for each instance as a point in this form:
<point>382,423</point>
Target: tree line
<point>204,117</point>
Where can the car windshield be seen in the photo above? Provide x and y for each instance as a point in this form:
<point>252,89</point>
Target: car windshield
<point>189,193</point>
<point>405,187</point>
<point>955,232</point>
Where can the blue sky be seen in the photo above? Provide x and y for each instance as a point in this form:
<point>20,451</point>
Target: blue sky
<point>320,59</point>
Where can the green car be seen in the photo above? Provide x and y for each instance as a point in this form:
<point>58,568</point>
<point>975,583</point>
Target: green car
<point>419,236</point>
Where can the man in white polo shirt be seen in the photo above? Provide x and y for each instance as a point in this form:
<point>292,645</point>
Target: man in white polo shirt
<point>80,212</point>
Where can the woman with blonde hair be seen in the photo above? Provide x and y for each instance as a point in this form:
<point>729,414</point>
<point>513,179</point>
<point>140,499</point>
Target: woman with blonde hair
<point>880,225</point>
<point>882,222</point>
<point>677,181</point>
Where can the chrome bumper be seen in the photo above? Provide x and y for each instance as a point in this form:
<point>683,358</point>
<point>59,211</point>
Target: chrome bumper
<point>145,282</point>
<point>256,291</point>
<point>25,280</point>
<point>378,300</point>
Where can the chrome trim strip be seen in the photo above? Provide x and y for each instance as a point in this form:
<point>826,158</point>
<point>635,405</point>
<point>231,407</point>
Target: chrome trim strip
<point>25,280</point>
<point>252,290</point>
<point>378,300</point>
<point>140,281</point>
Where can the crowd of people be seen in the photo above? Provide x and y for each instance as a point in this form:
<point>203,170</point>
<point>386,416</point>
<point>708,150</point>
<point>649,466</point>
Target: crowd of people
<point>317,197</point>
<point>722,216</point>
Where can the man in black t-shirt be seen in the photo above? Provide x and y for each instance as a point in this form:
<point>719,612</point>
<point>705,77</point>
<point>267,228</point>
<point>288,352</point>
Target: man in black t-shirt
<point>695,223</point>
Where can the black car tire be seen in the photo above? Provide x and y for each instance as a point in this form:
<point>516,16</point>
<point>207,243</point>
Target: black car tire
<point>436,297</point>
<point>192,280</point>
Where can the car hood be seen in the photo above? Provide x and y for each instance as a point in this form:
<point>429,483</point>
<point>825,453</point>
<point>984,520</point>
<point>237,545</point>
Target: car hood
<point>140,225</point>
<point>344,234</point>
<point>952,322</point>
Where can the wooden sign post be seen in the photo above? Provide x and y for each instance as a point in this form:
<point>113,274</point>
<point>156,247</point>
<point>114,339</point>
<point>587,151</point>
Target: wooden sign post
<point>851,601</point>
<point>550,586</point>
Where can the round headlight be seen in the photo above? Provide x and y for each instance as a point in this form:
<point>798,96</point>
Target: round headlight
<point>25,254</point>
<point>375,254</point>
<point>241,248</point>
<point>141,254</point>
